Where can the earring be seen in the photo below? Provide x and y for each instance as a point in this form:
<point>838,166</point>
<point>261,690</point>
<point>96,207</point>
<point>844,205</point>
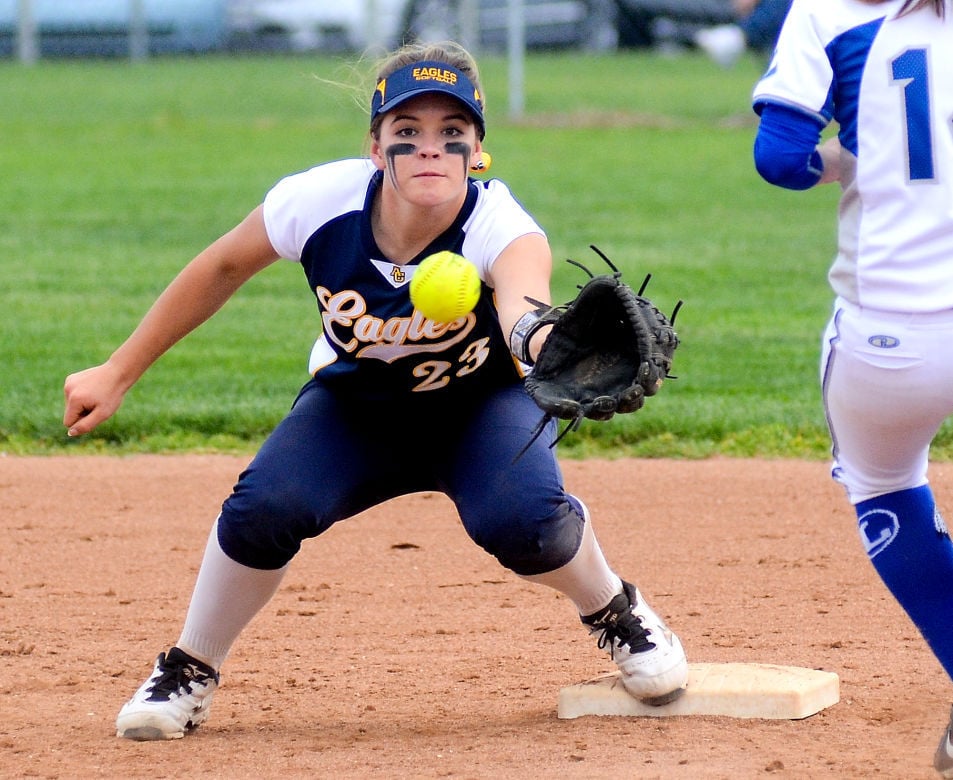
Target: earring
<point>483,164</point>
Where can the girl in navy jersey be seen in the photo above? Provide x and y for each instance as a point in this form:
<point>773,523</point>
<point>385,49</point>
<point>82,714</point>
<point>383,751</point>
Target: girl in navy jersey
<point>380,373</point>
<point>882,72</point>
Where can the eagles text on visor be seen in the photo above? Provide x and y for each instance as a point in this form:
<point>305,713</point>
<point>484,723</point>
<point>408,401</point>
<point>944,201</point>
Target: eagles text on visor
<point>420,78</point>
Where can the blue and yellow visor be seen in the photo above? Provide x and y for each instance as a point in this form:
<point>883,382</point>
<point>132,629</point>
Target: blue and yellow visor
<point>421,78</point>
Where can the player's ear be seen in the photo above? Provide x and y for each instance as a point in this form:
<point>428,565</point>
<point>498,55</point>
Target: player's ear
<point>377,154</point>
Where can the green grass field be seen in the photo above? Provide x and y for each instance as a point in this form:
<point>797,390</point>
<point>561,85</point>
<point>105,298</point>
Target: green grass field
<point>116,174</point>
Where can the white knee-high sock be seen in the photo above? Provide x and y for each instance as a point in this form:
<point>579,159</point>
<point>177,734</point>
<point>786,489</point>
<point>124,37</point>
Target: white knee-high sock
<point>226,597</point>
<point>587,578</point>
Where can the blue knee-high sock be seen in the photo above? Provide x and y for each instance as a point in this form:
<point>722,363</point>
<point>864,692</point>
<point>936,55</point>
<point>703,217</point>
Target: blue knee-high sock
<point>908,544</point>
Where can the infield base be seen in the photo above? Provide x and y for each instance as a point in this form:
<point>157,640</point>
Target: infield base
<point>735,690</point>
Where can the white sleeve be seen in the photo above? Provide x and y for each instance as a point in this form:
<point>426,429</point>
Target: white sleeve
<point>800,74</point>
<point>299,204</point>
<point>496,222</point>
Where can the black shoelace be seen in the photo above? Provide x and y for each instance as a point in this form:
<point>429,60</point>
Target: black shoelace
<point>175,674</point>
<point>620,625</point>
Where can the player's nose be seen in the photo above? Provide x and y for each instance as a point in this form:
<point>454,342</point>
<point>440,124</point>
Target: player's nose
<point>429,146</point>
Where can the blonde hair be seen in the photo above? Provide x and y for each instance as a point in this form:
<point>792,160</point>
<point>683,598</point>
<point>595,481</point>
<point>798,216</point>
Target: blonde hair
<point>449,52</point>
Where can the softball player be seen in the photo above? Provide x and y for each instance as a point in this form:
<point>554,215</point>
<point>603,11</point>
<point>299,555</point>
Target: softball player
<point>881,71</point>
<point>381,373</point>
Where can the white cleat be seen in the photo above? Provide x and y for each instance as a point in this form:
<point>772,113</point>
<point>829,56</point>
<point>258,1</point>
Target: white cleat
<point>943,759</point>
<point>174,700</point>
<point>649,655</point>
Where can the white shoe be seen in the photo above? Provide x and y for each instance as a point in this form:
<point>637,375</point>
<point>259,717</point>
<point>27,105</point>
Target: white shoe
<point>943,758</point>
<point>175,699</point>
<point>648,654</point>
<point>724,44</point>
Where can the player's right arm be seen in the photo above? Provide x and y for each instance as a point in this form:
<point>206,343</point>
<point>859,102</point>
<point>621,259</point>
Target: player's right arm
<point>200,290</point>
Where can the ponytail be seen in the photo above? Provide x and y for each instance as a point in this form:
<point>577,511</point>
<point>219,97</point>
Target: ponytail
<point>939,7</point>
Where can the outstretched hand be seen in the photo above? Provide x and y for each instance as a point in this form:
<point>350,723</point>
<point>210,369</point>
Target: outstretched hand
<point>92,396</point>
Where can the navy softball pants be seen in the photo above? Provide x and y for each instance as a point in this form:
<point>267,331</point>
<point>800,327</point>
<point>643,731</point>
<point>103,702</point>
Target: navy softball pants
<point>331,458</point>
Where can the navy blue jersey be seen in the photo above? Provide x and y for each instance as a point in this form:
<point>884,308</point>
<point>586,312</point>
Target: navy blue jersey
<point>374,344</point>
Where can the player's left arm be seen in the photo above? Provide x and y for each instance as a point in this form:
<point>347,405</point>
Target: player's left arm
<point>523,270</point>
<point>786,148</point>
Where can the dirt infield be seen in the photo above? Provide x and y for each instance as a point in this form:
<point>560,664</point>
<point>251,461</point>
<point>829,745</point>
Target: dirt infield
<point>397,649</point>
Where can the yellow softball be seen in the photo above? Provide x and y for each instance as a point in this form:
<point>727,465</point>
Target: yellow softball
<point>445,286</point>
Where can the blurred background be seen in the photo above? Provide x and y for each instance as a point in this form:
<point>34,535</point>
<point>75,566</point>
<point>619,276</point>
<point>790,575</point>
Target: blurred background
<point>146,128</point>
<point>30,29</point>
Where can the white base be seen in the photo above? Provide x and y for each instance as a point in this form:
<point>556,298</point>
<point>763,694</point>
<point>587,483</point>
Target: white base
<point>736,690</point>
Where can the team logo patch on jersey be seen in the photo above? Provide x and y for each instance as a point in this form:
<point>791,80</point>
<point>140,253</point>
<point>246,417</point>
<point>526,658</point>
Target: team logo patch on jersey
<point>395,274</point>
<point>878,528</point>
<point>883,342</point>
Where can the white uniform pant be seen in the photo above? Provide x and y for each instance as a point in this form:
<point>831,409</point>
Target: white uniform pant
<point>887,382</point>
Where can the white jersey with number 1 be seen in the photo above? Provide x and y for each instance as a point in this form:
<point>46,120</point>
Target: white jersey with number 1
<point>888,84</point>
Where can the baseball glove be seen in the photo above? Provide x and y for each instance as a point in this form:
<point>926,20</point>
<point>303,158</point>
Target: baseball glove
<point>607,351</point>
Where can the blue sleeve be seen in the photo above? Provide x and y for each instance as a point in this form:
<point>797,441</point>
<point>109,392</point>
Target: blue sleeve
<point>785,148</point>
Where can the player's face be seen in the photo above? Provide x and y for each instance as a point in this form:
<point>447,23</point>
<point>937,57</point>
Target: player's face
<point>426,147</point>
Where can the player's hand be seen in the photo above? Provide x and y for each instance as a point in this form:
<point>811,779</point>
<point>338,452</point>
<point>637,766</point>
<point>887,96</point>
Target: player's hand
<point>830,156</point>
<point>92,396</point>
